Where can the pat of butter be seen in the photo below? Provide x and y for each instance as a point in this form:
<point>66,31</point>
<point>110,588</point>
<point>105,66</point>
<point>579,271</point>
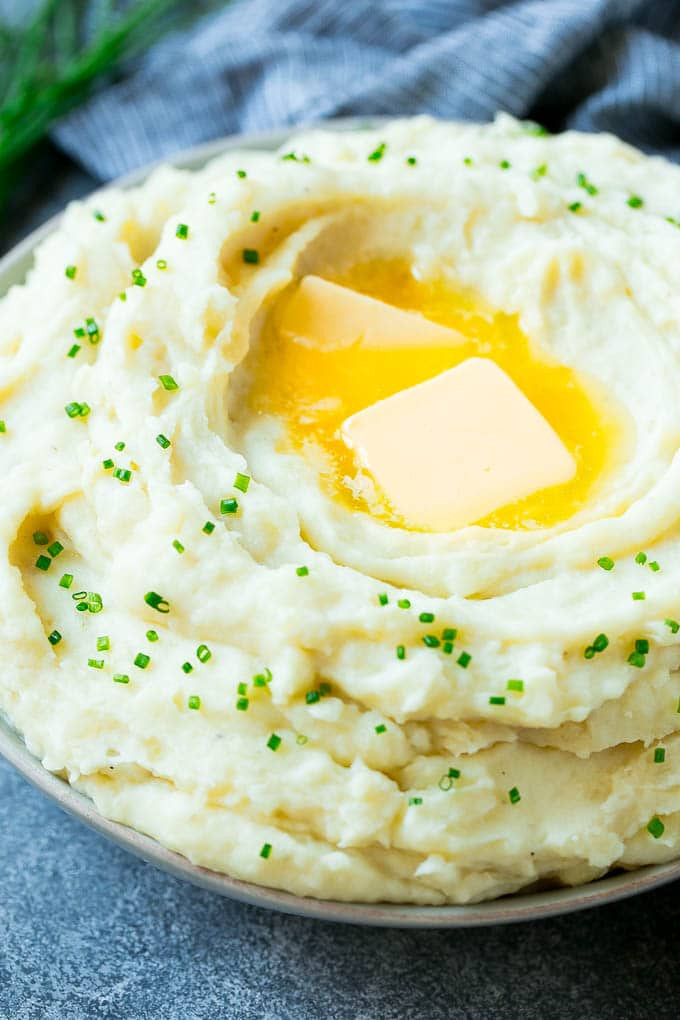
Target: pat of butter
<point>451,450</point>
<point>327,316</point>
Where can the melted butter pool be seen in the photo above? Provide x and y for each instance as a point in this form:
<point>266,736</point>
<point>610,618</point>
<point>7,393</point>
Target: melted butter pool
<point>313,391</point>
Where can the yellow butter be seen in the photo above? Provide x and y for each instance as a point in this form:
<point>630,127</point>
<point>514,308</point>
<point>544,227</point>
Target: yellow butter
<point>450,450</point>
<point>329,317</point>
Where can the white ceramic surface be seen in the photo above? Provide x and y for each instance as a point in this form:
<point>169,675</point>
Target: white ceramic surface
<point>520,907</point>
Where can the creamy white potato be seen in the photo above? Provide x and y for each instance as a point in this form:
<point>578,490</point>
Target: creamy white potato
<point>218,655</point>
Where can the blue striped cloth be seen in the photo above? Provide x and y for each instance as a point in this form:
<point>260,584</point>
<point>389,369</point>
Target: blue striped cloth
<point>596,65</point>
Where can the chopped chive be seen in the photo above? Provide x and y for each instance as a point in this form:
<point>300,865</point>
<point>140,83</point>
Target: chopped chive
<point>378,153</point>
<point>66,581</point>
<point>95,663</point>
<point>539,172</point>
<point>636,659</point>
<point>54,549</point>
<point>589,652</point>
<point>635,202</point>
<point>302,571</point>
<point>659,755</point>
<point>672,625</point>
<point>467,160</point>
<point>182,231</point>
<point>92,330</point>
<point>274,742</point>
<point>161,264</point>
<point>194,702</point>
<point>99,216</point>
<point>514,795</point>
<point>504,164</point>
<point>294,158</point>
<point>122,474</point>
<point>178,545</point>
<point>266,850</point>
<point>311,697</point>
<point>454,773</point>
<point>70,272</point>
<point>121,678</point>
<point>601,642</point>
<point>606,562</point>
<point>43,563</point>
<point>203,653</point>
<point>447,647</point>
<point>251,256</point>
<point>255,216</point>
<point>151,635</point>
<point>497,699</point>
<point>73,351</point>
<point>241,173</point>
<point>655,827</point>
<point>54,638</point>
<point>404,603</point>
<point>584,183</point>
<point>411,160</point>
<point>103,644</point>
<point>242,688</point>
<point>262,679</point>
<point>3,426</point>
<point>142,660</point>
<point>426,617</point>
<point>187,667</point>
<point>381,728</point>
<point>73,409</point>
<point>431,640</point>
<point>638,596</point>
<point>162,441</point>
<point>168,383</point>
<point>120,445</point>
<point>229,506</point>
<point>653,565</point>
<point>641,558</point>
<point>241,482</point>
<point>208,528</point>
<point>415,801</point>
<point>449,634</point>
<point>242,704</point>
<point>383,598</point>
<point>515,685</point>
<point>574,207</point>
<point>464,660</point>
<point>138,278</point>
<point>212,198</point>
<point>642,646</point>
<point>156,601</point>
<point>40,538</point>
<point>107,464</point>
<point>401,652</point>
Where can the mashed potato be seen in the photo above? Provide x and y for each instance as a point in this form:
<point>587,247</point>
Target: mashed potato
<point>211,627</point>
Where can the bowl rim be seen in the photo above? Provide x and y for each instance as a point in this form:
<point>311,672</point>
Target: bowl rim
<point>514,908</point>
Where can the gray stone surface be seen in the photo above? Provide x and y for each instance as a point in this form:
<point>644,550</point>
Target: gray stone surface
<point>88,932</point>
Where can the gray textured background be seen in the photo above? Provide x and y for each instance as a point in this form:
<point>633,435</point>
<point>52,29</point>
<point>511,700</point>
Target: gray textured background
<point>88,932</point>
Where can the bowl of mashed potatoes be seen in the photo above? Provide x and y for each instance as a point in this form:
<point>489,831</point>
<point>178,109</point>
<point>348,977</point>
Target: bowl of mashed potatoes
<point>339,551</point>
